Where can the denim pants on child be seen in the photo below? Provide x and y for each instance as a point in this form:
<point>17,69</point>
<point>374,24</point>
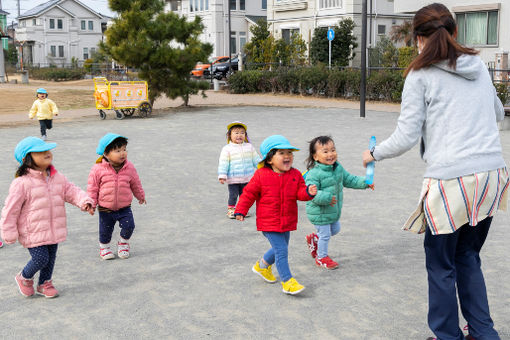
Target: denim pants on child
<point>107,221</point>
<point>453,266</point>
<point>279,253</point>
<point>45,124</point>
<point>325,232</point>
<point>234,191</point>
<point>43,260</point>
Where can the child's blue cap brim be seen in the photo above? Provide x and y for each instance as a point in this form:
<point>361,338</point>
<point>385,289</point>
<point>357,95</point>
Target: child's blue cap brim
<point>31,144</point>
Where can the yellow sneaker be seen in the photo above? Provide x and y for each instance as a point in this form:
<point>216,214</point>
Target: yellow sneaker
<point>265,273</point>
<point>292,287</point>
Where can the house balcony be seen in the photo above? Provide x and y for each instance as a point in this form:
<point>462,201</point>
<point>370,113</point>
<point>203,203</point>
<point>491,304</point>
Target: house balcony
<point>291,5</point>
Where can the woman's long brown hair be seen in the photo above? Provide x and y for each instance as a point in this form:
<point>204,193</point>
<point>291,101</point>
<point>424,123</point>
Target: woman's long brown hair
<point>436,23</point>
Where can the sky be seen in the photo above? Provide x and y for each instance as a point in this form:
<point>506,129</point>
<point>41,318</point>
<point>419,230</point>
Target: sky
<point>11,6</point>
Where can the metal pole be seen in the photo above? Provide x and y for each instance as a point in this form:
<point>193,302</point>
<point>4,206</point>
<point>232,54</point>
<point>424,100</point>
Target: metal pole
<point>229,38</point>
<point>363,58</point>
<point>2,65</point>
<point>329,54</point>
<point>370,44</point>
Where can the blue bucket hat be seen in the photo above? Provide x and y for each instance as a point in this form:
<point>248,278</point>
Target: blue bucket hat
<point>275,142</point>
<point>41,90</point>
<point>31,144</point>
<point>105,141</point>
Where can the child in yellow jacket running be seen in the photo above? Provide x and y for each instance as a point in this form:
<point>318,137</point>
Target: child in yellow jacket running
<point>44,109</point>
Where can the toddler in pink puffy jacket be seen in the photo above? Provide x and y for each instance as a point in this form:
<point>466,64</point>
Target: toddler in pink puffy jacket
<point>112,182</point>
<point>35,214</point>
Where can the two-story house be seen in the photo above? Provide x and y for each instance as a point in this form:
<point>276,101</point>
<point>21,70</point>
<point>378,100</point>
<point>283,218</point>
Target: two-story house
<point>214,14</point>
<point>303,16</point>
<point>57,31</point>
<point>3,29</point>
<point>481,23</point>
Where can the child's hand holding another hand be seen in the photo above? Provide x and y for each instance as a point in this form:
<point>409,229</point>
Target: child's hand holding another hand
<point>312,190</point>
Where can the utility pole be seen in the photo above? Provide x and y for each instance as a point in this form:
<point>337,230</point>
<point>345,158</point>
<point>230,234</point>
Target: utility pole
<point>229,42</point>
<point>2,64</point>
<point>363,58</point>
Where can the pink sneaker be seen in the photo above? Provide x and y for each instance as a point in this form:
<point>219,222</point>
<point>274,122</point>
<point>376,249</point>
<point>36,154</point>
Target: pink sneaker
<point>1,244</point>
<point>326,262</point>
<point>47,290</point>
<point>26,286</point>
<point>311,240</point>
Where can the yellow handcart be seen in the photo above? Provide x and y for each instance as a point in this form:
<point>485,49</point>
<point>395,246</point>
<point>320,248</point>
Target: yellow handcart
<point>124,97</point>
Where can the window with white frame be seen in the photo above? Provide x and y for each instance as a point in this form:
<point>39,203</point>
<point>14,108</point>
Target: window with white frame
<point>85,53</point>
<point>477,28</point>
<point>264,4</point>
<point>242,5</point>
<point>83,25</point>
<point>53,51</point>
<point>233,5</point>
<point>330,4</point>
<point>52,24</point>
<point>242,40</point>
<point>233,40</point>
<point>61,51</point>
<point>34,22</point>
<point>91,25</point>
<point>60,24</point>
<point>288,32</point>
<point>381,29</point>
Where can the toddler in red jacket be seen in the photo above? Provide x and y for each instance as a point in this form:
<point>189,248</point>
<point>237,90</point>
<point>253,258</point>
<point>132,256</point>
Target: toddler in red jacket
<point>111,184</point>
<point>276,186</point>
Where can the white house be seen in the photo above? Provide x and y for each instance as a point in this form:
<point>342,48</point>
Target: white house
<point>214,14</point>
<point>57,31</point>
<point>482,24</point>
<point>303,16</point>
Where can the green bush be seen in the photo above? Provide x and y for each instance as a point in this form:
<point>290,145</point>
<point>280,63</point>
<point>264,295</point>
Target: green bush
<point>502,91</point>
<point>57,73</point>
<point>385,85</point>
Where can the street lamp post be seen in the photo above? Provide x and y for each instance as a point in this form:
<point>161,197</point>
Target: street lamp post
<point>363,58</point>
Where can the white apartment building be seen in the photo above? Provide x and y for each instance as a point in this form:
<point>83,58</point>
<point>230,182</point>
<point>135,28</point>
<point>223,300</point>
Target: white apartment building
<point>58,30</point>
<point>303,16</point>
<point>482,24</point>
<point>214,14</point>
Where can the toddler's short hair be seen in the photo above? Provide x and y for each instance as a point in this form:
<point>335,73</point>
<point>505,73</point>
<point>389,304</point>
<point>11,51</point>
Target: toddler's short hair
<point>115,144</point>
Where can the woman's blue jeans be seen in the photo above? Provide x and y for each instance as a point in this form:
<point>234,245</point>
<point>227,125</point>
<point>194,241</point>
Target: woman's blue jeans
<point>279,253</point>
<point>325,232</point>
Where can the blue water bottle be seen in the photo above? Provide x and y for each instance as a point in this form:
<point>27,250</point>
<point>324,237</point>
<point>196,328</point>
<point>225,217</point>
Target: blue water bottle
<point>369,178</point>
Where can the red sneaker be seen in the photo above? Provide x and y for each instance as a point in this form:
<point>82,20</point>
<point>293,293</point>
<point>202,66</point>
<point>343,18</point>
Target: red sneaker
<point>326,262</point>
<point>47,290</point>
<point>26,286</point>
<point>311,240</point>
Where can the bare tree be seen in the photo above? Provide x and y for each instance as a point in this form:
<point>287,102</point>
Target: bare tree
<point>402,33</point>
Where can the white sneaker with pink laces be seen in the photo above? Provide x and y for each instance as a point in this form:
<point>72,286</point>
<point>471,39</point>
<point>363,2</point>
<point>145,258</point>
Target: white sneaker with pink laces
<point>123,249</point>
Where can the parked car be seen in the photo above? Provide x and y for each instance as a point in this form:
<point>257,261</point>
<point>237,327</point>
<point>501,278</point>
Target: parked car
<point>198,70</point>
<point>220,70</point>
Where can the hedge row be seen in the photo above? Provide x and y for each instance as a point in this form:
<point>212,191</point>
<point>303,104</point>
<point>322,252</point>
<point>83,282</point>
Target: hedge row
<point>385,85</point>
<point>57,73</point>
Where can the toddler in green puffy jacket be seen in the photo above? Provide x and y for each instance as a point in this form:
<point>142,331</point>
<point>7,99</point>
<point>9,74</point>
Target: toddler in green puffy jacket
<point>325,209</point>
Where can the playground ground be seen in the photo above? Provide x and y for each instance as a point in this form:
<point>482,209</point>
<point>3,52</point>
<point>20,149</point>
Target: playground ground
<point>189,276</point>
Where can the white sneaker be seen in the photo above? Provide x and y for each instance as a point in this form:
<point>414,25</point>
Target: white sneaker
<point>44,137</point>
<point>123,249</point>
<point>105,253</point>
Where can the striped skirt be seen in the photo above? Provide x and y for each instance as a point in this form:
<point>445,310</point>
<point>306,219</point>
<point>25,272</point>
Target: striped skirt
<point>446,205</point>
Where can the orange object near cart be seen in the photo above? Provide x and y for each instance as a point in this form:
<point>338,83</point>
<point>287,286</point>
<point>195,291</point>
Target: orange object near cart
<point>124,97</point>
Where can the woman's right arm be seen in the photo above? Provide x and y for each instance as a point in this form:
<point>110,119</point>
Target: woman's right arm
<point>410,122</point>
<point>11,211</point>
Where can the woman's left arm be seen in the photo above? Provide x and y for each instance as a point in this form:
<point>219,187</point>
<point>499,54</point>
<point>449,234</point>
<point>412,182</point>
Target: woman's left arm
<point>410,122</point>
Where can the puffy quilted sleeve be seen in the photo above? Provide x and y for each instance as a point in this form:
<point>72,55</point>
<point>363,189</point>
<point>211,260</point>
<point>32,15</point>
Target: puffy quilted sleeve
<point>93,186</point>
<point>251,193</point>
<point>74,195</point>
<point>11,211</point>
<point>136,186</point>
<point>302,194</point>
<point>224,163</point>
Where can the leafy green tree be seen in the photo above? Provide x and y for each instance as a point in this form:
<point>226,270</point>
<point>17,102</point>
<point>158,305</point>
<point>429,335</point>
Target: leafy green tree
<point>342,45</point>
<point>12,55</point>
<point>163,46</point>
<point>261,47</point>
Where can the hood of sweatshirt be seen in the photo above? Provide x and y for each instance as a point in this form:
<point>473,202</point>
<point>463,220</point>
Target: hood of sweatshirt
<point>468,66</point>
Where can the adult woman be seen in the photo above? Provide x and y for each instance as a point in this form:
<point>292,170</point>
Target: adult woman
<point>450,105</point>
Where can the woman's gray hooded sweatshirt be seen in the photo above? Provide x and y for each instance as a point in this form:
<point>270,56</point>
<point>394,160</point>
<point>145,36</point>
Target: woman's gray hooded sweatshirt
<point>455,113</point>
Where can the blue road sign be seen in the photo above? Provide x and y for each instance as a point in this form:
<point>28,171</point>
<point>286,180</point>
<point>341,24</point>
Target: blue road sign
<point>331,34</point>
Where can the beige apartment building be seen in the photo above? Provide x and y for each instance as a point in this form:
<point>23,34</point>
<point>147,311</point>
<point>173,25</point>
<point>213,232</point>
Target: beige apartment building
<point>303,16</point>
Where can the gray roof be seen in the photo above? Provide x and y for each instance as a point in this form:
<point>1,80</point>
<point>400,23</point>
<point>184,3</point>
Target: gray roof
<point>3,12</point>
<point>47,5</point>
<point>255,18</point>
